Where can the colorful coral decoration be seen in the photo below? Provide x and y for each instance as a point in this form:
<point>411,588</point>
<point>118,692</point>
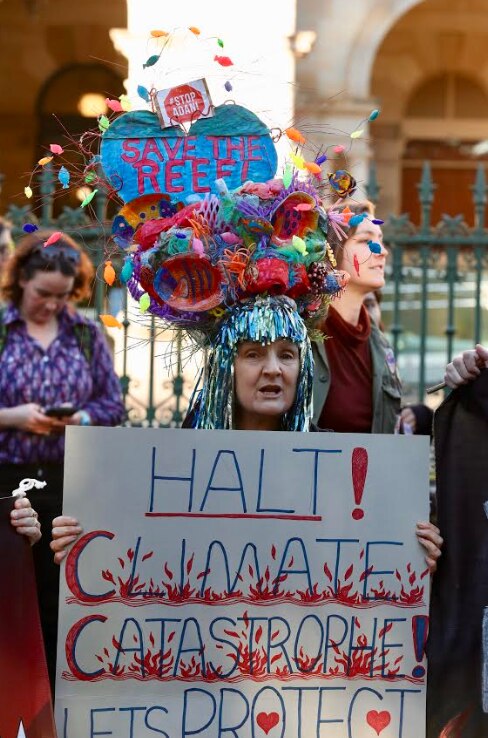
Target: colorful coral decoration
<point>140,158</point>
<point>196,262</point>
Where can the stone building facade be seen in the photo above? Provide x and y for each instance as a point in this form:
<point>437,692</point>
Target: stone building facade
<point>422,62</point>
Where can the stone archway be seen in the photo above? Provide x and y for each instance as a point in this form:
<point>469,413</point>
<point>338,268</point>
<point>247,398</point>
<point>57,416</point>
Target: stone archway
<point>380,19</point>
<point>334,81</point>
<point>435,41</point>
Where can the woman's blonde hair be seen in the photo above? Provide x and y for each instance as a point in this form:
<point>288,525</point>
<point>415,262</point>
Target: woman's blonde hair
<point>357,208</point>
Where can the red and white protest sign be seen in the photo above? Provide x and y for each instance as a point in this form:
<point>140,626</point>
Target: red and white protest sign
<point>184,104</point>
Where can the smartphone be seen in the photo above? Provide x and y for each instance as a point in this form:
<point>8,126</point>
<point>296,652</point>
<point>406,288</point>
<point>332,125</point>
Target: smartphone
<point>60,411</point>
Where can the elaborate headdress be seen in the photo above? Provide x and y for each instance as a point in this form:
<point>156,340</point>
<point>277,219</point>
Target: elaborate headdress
<point>244,265</point>
<point>248,260</point>
<point>214,243</point>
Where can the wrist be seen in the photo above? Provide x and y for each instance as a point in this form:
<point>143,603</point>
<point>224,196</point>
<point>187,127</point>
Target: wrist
<point>84,417</point>
<point>8,418</point>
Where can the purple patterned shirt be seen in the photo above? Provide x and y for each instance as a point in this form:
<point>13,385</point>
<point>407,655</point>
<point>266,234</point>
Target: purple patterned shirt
<point>29,373</point>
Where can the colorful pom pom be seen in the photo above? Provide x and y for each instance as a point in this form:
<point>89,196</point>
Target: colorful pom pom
<point>64,177</point>
<point>88,199</point>
<point>374,114</point>
<point>114,105</point>
<point>125,103</point>
<point>294,135</point>
<point>377,221</point>
<point>28,192</point>
<point>159,34</point>
<point>339,149</point>
<point>110,322</point>
<point>109,273</point>
<point>374,247</point>
<point>220,43</point>
<point>144,302</point>
<point>30,228</point>
<point>342,183</point>
<point>224,61</point>
<point>297,160</point>
<point>56,149</point>
<point>312,167</point>
<point>90,177</point>
<point>197,246</point>
<point>143,93</point>
<point>126,272</point>
<point>355,220</point>
<point>151,61</point>
<point>299,245</point>
<point>321,159</point>
<point>196,31</point>
<point>45,160</point>
<point>357,134</point>
<point>228,86</point>
<point>53,238</point>
<point>103,123</point>
<point>287,175</point>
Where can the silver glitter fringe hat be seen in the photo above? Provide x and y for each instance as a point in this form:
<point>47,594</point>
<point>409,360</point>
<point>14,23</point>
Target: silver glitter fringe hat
<point>264,320</point>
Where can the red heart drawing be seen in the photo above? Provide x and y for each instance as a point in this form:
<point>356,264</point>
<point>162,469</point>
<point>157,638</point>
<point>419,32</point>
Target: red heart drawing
<point>378,720</point>
<point>267,720</point>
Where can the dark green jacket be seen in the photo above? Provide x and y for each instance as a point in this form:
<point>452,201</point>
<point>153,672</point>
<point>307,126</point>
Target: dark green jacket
<point>387,388</point>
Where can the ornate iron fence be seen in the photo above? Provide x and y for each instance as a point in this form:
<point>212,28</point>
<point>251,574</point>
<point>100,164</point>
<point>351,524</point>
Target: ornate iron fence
<point>434,302</point>
<point>436,296</point>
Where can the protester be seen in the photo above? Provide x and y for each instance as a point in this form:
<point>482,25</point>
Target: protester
<point>356,386</point>
<point>55,370</point>
<point>457,700</point>
<point>259,373</point>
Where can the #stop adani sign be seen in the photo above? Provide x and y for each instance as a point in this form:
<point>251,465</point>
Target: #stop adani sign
<point>184,103</point>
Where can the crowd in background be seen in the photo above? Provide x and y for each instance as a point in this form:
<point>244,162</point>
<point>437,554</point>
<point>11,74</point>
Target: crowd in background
<point>56,371</point>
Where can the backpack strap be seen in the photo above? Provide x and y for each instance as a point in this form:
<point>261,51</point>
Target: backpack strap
<point>83,333</point>
<point>85,339</point>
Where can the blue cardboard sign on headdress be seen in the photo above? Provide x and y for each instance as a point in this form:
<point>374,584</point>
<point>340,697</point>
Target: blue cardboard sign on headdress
<point>139,157</point>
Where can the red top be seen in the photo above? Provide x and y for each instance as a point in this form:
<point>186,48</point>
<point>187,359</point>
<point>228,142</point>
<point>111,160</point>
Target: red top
<point>349,404</point>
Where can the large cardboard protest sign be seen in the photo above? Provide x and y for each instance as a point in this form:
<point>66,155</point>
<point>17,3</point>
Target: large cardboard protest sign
<point>243,584</point>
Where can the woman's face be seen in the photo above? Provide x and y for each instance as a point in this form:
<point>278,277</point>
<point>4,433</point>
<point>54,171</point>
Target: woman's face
<point>366,268</point>
<point>265,380</point>
<point>44,295</point>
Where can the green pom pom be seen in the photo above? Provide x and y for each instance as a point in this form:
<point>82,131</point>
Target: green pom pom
<point>144,302</point>
<point>103,123</point>
<point>287,175</point>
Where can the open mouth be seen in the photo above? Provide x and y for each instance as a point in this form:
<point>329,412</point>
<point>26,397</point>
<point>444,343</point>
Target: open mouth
<point>270,390</point>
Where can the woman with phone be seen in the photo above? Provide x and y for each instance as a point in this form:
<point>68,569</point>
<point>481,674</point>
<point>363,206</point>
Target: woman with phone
<point>55,370</point>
